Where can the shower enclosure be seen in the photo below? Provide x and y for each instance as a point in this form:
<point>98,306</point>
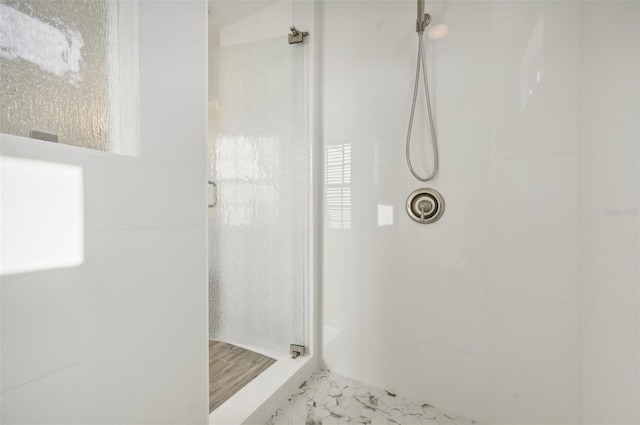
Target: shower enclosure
<point>258,164</point>
<point>259,175</point>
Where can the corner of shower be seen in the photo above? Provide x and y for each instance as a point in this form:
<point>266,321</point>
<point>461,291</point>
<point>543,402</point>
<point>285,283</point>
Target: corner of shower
<point>260,208</point>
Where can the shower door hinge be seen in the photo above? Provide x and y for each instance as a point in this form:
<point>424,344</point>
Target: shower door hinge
<point>297,36</point>
<point>296,351</point>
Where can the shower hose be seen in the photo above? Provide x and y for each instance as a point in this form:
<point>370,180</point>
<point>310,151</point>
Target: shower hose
<point>422,62</point>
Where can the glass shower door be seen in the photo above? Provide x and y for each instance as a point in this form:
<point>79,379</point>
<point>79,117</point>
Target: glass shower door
<point>259,166</point>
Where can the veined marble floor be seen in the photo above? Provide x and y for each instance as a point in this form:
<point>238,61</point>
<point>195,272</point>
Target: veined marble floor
<point>330,399</point>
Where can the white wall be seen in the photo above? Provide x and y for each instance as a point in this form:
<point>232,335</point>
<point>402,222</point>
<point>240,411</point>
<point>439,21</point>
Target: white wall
<point>609,162</point>
<point>272,21</point>
<point>521,304</point>
<point>122,337</point>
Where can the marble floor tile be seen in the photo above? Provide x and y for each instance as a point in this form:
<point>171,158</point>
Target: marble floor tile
<point>330,399</point>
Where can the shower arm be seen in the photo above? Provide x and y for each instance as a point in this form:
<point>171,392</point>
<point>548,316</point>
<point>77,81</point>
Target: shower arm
<point>423,19</point>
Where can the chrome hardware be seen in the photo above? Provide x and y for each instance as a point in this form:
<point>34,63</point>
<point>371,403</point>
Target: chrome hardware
<point>425,206</point>
<point>297,36</point>
<point>423,18</point>
<point>43,135</point>
<point>296,351</point>
<point>215,194</point>
<point>421,24</point>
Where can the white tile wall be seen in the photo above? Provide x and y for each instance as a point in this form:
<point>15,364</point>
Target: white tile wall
<point>122,337</point>
<point>520,305</point>
<point>609,158</point>
<point>453,378</point>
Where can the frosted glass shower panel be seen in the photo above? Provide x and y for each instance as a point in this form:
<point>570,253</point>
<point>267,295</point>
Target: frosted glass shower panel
<point>67,68</point>
<point>259,159</point>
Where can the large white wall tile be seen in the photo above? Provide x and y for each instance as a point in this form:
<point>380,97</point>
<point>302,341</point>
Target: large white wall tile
<point>536,233</point>
<point>534,372</point>
<point>387,306</point>
<point>535,57</point>
<point>48,324</point>
<point>122,337</point>
<point>147,260</point>
<point>455,381</point>
<point>53,392</point>
<point>609,156</point>
<point>454,291</point>
<point>536,117</point>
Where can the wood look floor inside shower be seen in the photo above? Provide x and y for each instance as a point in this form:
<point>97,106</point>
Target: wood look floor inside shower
<point>230,369</point>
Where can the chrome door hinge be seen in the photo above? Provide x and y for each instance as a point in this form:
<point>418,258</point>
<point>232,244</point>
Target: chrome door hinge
<point>297,36</point>
<point>296,351</point>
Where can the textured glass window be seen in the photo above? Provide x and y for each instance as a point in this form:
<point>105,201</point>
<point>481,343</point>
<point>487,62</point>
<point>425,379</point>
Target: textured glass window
<point>67,68</point>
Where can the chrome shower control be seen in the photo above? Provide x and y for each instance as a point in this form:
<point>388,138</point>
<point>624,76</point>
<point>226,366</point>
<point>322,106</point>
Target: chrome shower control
<point>425,206</point>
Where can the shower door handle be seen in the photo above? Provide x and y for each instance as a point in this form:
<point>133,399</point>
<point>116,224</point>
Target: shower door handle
<point>215,194</point>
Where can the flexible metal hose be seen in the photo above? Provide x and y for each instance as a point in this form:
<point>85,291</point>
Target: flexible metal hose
<point>422,62</point>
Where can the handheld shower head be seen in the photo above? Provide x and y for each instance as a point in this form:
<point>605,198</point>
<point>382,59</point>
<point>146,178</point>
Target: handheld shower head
<point>421,24</point>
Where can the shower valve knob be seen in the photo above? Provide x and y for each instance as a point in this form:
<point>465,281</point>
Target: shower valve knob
<point>425,206</point>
